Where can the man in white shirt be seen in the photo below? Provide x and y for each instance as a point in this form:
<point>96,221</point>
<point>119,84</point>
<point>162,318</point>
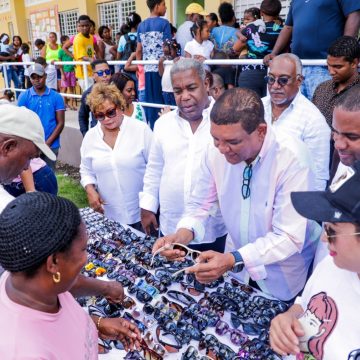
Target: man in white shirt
<point>251,175</point>
<point>346,135</point>
<point>193,12</point>
<point>180,139</point>
<point>292,114</point>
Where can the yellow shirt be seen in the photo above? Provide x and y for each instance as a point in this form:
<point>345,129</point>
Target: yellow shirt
<point>83,46</point>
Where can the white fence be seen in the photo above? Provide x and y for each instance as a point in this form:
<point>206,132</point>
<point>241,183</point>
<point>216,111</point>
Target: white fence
<point>84,64</point>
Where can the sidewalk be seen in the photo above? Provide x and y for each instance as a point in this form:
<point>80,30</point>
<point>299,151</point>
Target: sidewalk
<point>71,139</point>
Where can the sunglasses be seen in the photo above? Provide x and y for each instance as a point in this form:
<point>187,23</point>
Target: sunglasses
<point>176,246</point>
<point>100,73</point>
<point>237,337</point>
<point>109,114</point>
<point>192,354</point>
<point>281,80</point>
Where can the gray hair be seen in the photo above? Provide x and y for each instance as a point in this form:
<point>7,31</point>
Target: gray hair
<point>185,64</point>
<point>293,58</point>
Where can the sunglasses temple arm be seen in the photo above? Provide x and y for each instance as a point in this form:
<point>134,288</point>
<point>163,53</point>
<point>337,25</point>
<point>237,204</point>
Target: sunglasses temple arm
<point>178,272</point>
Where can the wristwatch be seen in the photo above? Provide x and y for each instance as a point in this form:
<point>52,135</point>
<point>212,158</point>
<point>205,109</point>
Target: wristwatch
<point>239,262</point>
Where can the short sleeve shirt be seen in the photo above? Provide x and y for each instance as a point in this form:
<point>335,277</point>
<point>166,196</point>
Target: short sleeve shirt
<point>258,43</point>
<point>316,24</point>
<point>122,41</point>
<point>152,33</point>
<point>45,106</point>
<point>83,46</point>
<point>63,56</point>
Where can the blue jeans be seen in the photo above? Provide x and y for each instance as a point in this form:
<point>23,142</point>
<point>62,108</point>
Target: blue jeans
<point>44,180</point>
<point>314,75</point>
<point>169,98</point>
<point>141,95</point>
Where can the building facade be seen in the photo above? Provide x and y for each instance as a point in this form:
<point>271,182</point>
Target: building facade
<point>32,19</point>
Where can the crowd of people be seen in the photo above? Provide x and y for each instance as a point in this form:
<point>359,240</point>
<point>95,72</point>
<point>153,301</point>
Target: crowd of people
<point>252,168</point>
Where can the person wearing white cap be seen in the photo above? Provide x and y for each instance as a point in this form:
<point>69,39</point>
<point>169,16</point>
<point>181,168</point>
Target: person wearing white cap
<point>193,12</point>
<point>48,105</point>
<point>21,139</point>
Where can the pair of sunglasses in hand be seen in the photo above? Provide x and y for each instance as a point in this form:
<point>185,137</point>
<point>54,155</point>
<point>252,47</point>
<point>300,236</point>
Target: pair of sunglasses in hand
<point>177,246</point>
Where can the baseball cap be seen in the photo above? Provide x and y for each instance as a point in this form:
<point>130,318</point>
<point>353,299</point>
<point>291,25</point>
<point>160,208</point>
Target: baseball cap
<point>36,69</point>
<point>339,203</point>
<point>195,8</point>
<point>22,122</point>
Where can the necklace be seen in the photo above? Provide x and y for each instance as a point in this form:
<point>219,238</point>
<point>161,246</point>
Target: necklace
<point>273,117</point>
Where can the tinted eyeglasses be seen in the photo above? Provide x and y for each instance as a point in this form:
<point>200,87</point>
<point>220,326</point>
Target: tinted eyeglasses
<point>100,73</point>
<point>247,174</point>
<point>281,80</point>
<point>109,114</point>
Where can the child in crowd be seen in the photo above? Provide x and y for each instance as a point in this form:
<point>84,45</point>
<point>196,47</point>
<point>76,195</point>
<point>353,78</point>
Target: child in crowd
<point>152,32</point>
<point>227,72</point>
<point>25,48</point>
<point>171,50</point>
<point>7,97</point>
<point>251,16</point>
<point>212,21</point>
<point>51,73</point>
<point>200,47</point>
<point>68,79</point>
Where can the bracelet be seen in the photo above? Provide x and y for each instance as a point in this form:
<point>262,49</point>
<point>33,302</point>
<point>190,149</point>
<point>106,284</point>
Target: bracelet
<point>98,322</point>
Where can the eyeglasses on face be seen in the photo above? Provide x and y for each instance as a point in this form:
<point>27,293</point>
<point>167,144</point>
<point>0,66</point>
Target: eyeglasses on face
<point>281,80</point>
<point>330,233</point>
<point>101,73</point>
<point>109,114</point>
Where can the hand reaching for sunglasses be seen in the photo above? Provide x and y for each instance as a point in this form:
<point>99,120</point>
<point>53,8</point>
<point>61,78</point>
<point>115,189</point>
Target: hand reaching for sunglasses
<point>182,236</point>
<point>114,292</point>
<point>122,330</point>
<point>285,331</point>
<point>211,265</point>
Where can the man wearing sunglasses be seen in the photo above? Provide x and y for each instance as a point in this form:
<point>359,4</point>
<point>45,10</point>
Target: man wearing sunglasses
<point>102,74</point>
<point>291,114</point>
<point>250,174</point>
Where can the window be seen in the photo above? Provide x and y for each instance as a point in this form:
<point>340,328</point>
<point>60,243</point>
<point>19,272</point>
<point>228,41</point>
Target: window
<point>67,21</point>
<point>114,13</point>
<point>241,5</point>
<point>34,51</point>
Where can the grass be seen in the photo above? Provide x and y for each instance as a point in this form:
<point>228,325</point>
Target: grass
<point>72,190</point>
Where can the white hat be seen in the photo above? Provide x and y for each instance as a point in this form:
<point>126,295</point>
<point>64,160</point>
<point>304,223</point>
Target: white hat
<point>22,122</point>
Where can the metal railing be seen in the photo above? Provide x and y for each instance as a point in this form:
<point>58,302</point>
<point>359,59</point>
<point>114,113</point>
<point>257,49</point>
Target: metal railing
<point>85,64</point>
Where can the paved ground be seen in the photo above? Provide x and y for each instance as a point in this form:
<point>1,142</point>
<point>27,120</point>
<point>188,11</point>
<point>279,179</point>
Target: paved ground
<point>70,140</point>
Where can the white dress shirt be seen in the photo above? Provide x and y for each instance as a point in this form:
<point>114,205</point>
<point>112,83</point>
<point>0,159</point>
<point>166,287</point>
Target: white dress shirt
<point>172,171</point>
<point>117,173</point>
<point>276,243</point>
<point>303,120</point>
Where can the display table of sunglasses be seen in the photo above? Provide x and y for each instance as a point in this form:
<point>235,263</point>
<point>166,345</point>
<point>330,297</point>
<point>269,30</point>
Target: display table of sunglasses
<point>183,318</point>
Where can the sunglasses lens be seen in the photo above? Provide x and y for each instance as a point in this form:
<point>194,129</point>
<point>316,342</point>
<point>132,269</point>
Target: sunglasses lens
<point>283,81</point>
<point>181,248</point>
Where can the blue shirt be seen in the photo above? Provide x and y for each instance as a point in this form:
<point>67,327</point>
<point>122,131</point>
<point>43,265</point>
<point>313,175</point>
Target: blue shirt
<point>152,33</point>
<point>224,38</point>
<point>316,24</point>
<point>45,106</point>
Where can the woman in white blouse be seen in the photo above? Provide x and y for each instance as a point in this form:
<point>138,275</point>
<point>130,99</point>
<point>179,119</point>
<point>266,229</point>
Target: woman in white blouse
<point>114,155</point>
<point>126,85</point>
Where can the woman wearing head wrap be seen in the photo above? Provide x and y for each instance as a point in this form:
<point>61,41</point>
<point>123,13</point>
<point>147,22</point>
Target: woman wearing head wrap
<point>43,248</point>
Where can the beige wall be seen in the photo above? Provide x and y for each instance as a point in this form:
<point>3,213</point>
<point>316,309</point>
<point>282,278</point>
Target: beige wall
<point>19,13</point>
